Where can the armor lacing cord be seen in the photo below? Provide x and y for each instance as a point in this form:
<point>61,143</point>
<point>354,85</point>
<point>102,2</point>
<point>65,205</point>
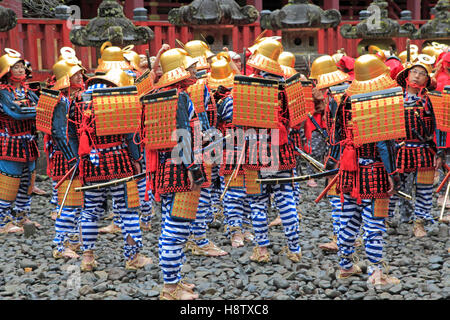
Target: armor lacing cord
<point>233,228</point>
<point>383,263</point>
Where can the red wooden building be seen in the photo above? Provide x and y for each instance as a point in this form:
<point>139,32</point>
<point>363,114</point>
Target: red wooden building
<point>39,40</point>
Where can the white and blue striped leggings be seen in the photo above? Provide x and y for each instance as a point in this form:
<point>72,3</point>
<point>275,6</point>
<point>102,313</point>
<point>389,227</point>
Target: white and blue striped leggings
<point>352,217</point>
<point>146,206</point>
<point>174,235</point>
<point>423,203</point>
<point>66,227</point>
<point>199,226</point>
<point>22,204</point>
<point>336,208</point>
<point>236,210</point>
<point>129,218</point>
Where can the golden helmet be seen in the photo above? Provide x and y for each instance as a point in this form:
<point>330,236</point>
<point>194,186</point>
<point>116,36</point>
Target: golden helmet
<point>287,59</point>
<point>132,57</point>
<point>423,60</point>
<point>433,51</point>
<point>266,57</point>
<point>371,74</point>
<point>199,50</point>
<point>260,38</point>
<point>174,63</point>
<point>64,70</point>
<point>221,72</point>
<point>8,60</point>
<point>112,58</point>
<point>326,73</point>
<point>114,77</point>
<point>67,53</point>
<point>378,52</point>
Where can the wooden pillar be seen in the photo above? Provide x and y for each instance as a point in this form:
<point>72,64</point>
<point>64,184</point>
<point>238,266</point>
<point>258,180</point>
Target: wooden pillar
<point>331,4</point>
<point>257,3</point>
<point>130,5</point>
<point>414,7</point>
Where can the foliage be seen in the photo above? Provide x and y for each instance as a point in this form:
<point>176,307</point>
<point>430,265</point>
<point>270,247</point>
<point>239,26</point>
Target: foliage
<point>41,8</point>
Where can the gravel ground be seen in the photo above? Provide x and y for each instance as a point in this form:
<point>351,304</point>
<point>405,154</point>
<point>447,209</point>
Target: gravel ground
<point>422,265</point>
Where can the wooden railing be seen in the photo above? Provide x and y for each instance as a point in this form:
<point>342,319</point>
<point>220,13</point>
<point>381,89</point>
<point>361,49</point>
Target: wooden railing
<point>39,41</point>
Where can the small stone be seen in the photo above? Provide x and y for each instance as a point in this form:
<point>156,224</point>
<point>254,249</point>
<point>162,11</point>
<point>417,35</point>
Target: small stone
<point>332,293</point>
<point>85,290</point>
<point>435,259</point>
<point>385,296</point>
<point>281,283</point>
<point>116,274</point>
<point>396,289</point>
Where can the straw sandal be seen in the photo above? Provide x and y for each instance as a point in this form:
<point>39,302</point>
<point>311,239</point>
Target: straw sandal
<point>330,246</point>
<point>344,274</point>
<point>418,229</point>
<point>378,278</point>
<point>295,257</point>
<point>138,262</point>
<point>112,228</point>
<point>275,222</point>
<point>258,257</point>
<point>210,250</point>
<point>88,262</point>
<point>179,293</point>
<point>10,228</point>
<point>237,240</point>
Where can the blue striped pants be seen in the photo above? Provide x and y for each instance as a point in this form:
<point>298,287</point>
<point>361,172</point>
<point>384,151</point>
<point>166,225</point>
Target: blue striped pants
<point>352,217</point>
<point>285,202</point>
<point>129,218</point>
<point>146,206</point>
<point>422,205</point>
<point>336,208</point>
<point>174,235</point>
<point>67,227</point>
<point>236,210</point>
<point>199,226</point>
<point>22,203</point>
<point>54,197</point>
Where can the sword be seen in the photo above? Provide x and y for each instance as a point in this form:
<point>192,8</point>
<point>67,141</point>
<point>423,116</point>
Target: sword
<point>112,183</point>
<point>298,178</point>
<point>327,188</point>
<point>65,176</point>
<point>443,182</point>
<point>408,50</point>
<point>235,172</point>
<point>139,175</point>
<point>322,132</point>
<point>316,164</point>
<point>244,64</point>
<point>445,202</point>
<point>68,188</point>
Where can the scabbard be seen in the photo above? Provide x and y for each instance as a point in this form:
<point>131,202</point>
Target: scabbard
<point>443,182</point>
<point>322,132</point>
<point>112,183</point>
<point>65,176</point>
<point>298,178</point>
<point>327,188</point>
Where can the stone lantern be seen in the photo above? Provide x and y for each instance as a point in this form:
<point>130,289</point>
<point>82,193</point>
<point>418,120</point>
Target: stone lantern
<point>8,19</point>
<point>377,29</point>
<point>207,18</point>
<point>110,25</point>
<point>300,22</point>
<point>437,29</point>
